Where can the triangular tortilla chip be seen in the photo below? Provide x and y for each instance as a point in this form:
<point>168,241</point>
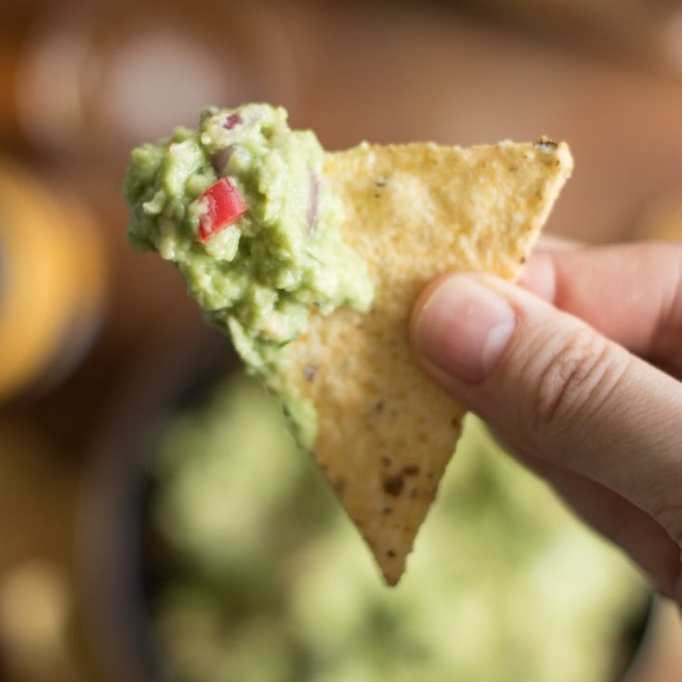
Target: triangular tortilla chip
<point>385,430</point>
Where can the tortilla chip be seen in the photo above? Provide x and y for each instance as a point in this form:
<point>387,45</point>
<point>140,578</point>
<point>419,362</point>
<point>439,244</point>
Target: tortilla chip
<point>385,430</point>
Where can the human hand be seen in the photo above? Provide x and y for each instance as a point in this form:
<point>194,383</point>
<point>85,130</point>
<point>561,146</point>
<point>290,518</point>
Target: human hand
<point>578,373</point>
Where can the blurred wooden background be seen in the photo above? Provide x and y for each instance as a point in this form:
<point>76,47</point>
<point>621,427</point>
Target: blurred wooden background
<point>80,83</point>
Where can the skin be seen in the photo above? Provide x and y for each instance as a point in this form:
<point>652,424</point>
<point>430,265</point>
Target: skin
<point>578,370</point>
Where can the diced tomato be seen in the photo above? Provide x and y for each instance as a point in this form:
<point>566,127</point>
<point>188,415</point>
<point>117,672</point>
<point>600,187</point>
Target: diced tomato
<point>224,206</point>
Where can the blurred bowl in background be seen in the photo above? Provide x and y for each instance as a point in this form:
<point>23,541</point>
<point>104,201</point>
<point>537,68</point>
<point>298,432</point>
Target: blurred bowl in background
<point>122,571</point>
<point>113,528</point>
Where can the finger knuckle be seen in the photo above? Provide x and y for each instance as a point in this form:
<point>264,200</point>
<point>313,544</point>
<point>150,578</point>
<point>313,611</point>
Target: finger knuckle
<point>569,379</point>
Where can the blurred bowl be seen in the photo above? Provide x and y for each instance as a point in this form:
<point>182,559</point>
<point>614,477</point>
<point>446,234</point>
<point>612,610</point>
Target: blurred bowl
<point>113,530</point>
<point>119,580</point>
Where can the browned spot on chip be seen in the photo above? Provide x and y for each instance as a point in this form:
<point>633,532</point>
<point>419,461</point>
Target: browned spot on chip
<point>394,485</point>
<point>386,461</point>
<point>340,485</point>
<point>390,554</point>
<point>379,406</point>
<point>386,510</point>
<point>411,470</point>
<point>414,492</point>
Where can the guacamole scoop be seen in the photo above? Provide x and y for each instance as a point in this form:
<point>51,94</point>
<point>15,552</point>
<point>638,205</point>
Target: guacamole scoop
<point>241,207</point>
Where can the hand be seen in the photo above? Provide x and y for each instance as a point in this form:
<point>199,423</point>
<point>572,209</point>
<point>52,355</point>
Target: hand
<point>578,373</point>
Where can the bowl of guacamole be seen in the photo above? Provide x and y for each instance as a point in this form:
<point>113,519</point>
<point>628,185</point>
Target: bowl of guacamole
<point>221,555</point>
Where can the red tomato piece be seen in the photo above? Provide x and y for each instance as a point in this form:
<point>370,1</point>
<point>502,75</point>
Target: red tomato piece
<point>224,206</point>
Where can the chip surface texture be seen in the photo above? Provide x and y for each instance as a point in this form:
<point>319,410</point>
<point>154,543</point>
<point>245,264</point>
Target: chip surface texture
<point>384,430</point>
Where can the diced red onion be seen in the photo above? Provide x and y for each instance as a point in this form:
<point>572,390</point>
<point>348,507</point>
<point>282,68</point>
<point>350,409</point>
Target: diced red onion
<point>232,121</point>
<point>221,158</point>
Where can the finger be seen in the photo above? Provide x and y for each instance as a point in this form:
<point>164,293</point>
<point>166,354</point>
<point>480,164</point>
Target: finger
<point>629,527</point>
<point>631,293</point>
<point>555,389</point>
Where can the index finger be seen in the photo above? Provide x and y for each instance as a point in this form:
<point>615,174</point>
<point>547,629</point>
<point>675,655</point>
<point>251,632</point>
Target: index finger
<point>631,293</point>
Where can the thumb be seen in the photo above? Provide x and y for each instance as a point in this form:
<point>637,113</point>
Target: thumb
<point>555,389</point>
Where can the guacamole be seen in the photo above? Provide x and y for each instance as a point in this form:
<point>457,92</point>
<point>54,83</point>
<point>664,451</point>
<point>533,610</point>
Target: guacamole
<point>264,577</point>
<point>241,207</point>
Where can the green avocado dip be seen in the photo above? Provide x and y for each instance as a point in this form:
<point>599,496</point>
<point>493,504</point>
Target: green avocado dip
<point>241,207</point>
<point>264,579</point>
